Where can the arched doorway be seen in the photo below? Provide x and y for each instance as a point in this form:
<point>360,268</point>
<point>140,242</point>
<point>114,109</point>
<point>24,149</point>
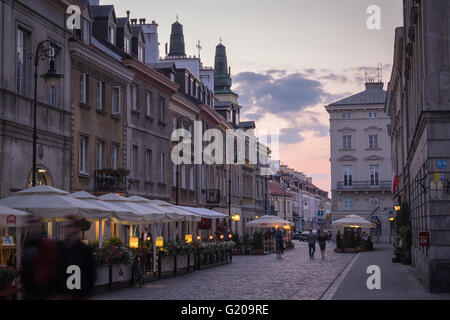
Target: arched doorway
<point>43,177</point>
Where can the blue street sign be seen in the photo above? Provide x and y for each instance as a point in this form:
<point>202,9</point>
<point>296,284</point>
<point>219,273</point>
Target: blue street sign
<point>320,213</point>
<point>441,177</point>
<point>319,220</point>
<point>441,164</point>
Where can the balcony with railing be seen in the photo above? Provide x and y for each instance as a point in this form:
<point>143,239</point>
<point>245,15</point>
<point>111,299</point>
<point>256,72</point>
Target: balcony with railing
<point>363,185</point>
<point>110,180</point>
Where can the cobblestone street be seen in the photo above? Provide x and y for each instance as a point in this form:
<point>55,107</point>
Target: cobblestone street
<point>295,276</point>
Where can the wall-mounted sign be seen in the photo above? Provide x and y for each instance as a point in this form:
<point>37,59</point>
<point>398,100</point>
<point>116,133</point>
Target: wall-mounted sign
<point>11,219</point>
<point>424,239</point>
<point>441,164</point>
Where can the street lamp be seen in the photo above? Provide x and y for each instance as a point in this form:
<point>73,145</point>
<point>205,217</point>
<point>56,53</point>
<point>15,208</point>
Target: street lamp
<point>46,50</point>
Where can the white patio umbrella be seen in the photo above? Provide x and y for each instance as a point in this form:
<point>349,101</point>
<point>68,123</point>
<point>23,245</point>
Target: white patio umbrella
<point>269,222</point>
<point>354,221</point>
<point>10,218</point>
<point>205,213</point>
<point>53,204</point>
<point>169,215</point>
<point>142,214</point>
<point>177,211</point>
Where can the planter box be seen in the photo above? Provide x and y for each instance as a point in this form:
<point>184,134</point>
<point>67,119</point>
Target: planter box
<point>121,272</point>
<point>182,261</point>
<point>236,252</point>
<point>258,251</point>
<point>102,275</point>
<point>167,263</point>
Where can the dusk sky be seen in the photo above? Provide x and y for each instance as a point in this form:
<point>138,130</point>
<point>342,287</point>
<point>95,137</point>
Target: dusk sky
<point>288,58</point>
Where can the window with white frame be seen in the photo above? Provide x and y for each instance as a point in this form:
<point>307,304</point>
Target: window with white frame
<point>133,97</point>
<point>348,175</point>
<point>22,60</point>
<point>116,100</point>
<point>161,167</point>
<point>99,160</point>
<point>191,179</point>
<point>346,115</point>
<point>374,171</point>
<point>100,91</point>
<point>346,142</point>
<point>134,155</point>
<point>127,45</point>
<point>148,102</point>
<point>83,87</point>
<point>162,109</point>
<point>86,36</point>
<point>112,35</point>
<point>82,149</point>
<point>148,165</point>
<point>183,176</point>
<point>141,54</point>
<point>114,156</point>
<point>52,96</point>
<point>348,203</point>
<point>372,115</point>
<point>373,141</point>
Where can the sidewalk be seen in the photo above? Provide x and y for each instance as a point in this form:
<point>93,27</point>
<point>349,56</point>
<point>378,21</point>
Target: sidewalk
<point>397,281</point>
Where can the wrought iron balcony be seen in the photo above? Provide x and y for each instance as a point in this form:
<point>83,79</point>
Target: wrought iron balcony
<point>109,180</point>
<point>363,186</point>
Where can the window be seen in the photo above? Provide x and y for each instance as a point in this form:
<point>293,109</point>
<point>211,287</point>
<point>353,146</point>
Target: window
<point>161,167</point>
<point>82,154</point>
<point>141,54</point>
<point>86,37</point>
<point>134,97</point>
<point>372,115</point>
<point>52,96</point>
<point>186,85</point>
<point>191,179</point>
<point>374,174</point>
<point>148,165</point>
<point>348,203</point>
<point>112,35</point>
<point>100,91</point>
<point>134,154</point>
<point>116,100</point>
<point>348,175</point>
<point>183,176</point>
<point>114,156</point>
<point>162,108</point>
<point>127,45</point>
<point>373,142</point>
<point>346,115</point>
<point>22,61</point>
<point>99,160</point>
<point>347,142</point>
<point>83,87</point>
<point>148,102</point>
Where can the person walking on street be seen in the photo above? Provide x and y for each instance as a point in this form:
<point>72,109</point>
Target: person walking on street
<point>322,239</point>
<point>279,242</point>
<point>311,244</point>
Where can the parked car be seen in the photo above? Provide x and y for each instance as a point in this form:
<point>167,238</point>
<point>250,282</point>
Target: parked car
<point>303,236</point>
<point>295,236</point>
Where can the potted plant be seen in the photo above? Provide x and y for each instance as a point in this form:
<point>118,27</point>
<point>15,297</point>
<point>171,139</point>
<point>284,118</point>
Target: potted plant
<point>237,249</point>
<point>7,277</point>
<point>257,243</point>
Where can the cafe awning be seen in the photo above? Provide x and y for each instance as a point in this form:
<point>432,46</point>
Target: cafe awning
<point>269,222</point>
<point>188,215</point>
<point>354,221</point>
<point>12,218</point>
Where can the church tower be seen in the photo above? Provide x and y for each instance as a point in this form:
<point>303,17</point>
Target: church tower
<point>177,40</point>
<point>222,79</point>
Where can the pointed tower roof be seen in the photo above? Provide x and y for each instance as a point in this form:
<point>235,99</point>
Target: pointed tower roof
<point>222,79</point>
<point>177,40</point>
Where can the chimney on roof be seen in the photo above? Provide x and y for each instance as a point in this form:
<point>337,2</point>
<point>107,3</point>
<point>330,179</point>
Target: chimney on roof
<point>128,14</point>
<point>133,21</point>
<point>142,21</point>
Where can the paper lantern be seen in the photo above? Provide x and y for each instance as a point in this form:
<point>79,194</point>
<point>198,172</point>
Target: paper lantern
<point>159,241</point>
<point>188,238</point>
<point>134,242</point>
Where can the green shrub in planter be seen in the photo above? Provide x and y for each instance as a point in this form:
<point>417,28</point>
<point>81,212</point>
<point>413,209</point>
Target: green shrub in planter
<point>258,241</point>
<point>7,276</point>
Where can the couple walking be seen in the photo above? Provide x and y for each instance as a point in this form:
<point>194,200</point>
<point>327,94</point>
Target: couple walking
<point>321,238</point>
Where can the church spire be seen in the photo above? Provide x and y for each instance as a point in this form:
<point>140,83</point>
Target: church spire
<point>177,40</point>
<point>222,79</point>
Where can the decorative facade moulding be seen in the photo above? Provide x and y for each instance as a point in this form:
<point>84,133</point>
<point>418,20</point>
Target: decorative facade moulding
<point>347,130</point>
<point>347,158</point>
<point>373,158</point>
<point>373,128</point>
